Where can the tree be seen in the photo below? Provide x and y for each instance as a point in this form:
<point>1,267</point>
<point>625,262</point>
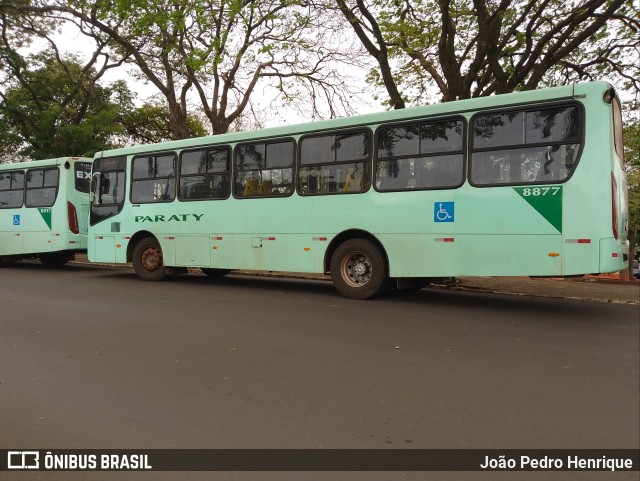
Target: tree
<point>218,52</point>
<point>473,48</point>
<point>55,110</point>
<point>55,107</point>
<point>632,160</point>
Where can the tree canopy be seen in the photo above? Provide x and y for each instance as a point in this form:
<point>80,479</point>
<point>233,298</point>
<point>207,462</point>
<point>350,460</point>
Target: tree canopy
<point>55,110</point>
<point>216,63</point>
<point>220,53</point>
<point>471,48</point>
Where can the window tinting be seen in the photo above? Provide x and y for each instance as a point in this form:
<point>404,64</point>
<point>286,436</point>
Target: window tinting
<point>154,179</point>
<point>11,189</point>
<point>204,174</point>
<point>420,156</point>
<point>264,169</point>
<point>42,187</point>
<point>334,164</point>
<point>525,146</point>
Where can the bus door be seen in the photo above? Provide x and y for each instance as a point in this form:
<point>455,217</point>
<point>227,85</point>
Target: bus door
<point>108,186</point>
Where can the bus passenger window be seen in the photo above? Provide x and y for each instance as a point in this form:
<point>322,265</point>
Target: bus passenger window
<point>420,156</point>
<point>264,169</point>
<point>42,187</point>
<point>11,190</point>
<point>524,147</point>
<point>204,174</point>
<point>154,179</point>
<point>333,164</point>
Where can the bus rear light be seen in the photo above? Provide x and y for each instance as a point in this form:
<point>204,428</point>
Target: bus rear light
<point>614,206</point>
<point>73,218</point>
<point>614,254</point>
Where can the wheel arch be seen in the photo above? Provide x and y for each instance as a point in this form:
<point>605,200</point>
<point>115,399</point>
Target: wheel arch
<point>133,242</point>
<point>352,234</point>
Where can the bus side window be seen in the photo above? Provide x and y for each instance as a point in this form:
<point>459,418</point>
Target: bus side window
<point>540,145</point>
<point>11,190</point>
<point>420,156</point>
<point>335,163</point>
<point>264,169</point>
<point>204,174</point>
<point>42,187</point>
<point>154,178</point>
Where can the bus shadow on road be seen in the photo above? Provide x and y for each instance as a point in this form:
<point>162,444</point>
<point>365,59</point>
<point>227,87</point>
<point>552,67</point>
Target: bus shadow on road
<point>545,309</point>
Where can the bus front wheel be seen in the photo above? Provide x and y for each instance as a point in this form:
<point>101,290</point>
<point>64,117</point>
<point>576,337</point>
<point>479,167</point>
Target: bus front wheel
<point>147,260</point>
<point>358,269</point>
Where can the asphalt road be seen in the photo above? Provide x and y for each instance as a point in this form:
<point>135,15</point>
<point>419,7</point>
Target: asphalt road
<point>91,357</point>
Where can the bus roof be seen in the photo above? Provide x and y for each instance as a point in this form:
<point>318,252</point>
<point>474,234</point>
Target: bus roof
<point>440,109</point>
<point>43,163</point>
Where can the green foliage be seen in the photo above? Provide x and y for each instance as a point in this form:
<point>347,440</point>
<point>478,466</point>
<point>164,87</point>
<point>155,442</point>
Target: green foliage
<point>632,144</point>
<point>632,159</point>
<point>149,124</point>
<point>58,110</point>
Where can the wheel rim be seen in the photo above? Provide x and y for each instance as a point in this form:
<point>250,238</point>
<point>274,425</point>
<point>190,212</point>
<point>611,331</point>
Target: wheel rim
<point>356,269</point>
<point>151,259</point>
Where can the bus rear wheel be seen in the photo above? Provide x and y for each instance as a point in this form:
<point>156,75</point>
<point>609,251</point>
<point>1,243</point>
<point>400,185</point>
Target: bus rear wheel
<point>358,269</point>
<point>147,260</point>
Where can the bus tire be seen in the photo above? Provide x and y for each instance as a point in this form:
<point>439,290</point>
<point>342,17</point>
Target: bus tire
<point>213,273</point>
<point>358,269</point>
<point>147,260</point>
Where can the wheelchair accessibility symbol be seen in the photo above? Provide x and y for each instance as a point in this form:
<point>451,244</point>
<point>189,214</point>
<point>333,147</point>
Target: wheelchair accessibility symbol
<point>16,219</point>
<point>443,212</point>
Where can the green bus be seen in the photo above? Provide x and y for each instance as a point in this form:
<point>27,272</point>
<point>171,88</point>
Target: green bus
<point>522,184</point>
<point>44,209</point>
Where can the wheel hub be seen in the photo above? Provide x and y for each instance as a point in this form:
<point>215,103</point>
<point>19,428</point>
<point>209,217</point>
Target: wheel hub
<point>151,259</point>
<point>357,269</point>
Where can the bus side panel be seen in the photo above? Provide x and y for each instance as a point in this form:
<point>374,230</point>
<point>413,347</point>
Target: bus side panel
<point>36,225</point>
<point>104,249</point>
<point>508,231</point>
<point>10,231</point>
<point>419,255</point>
